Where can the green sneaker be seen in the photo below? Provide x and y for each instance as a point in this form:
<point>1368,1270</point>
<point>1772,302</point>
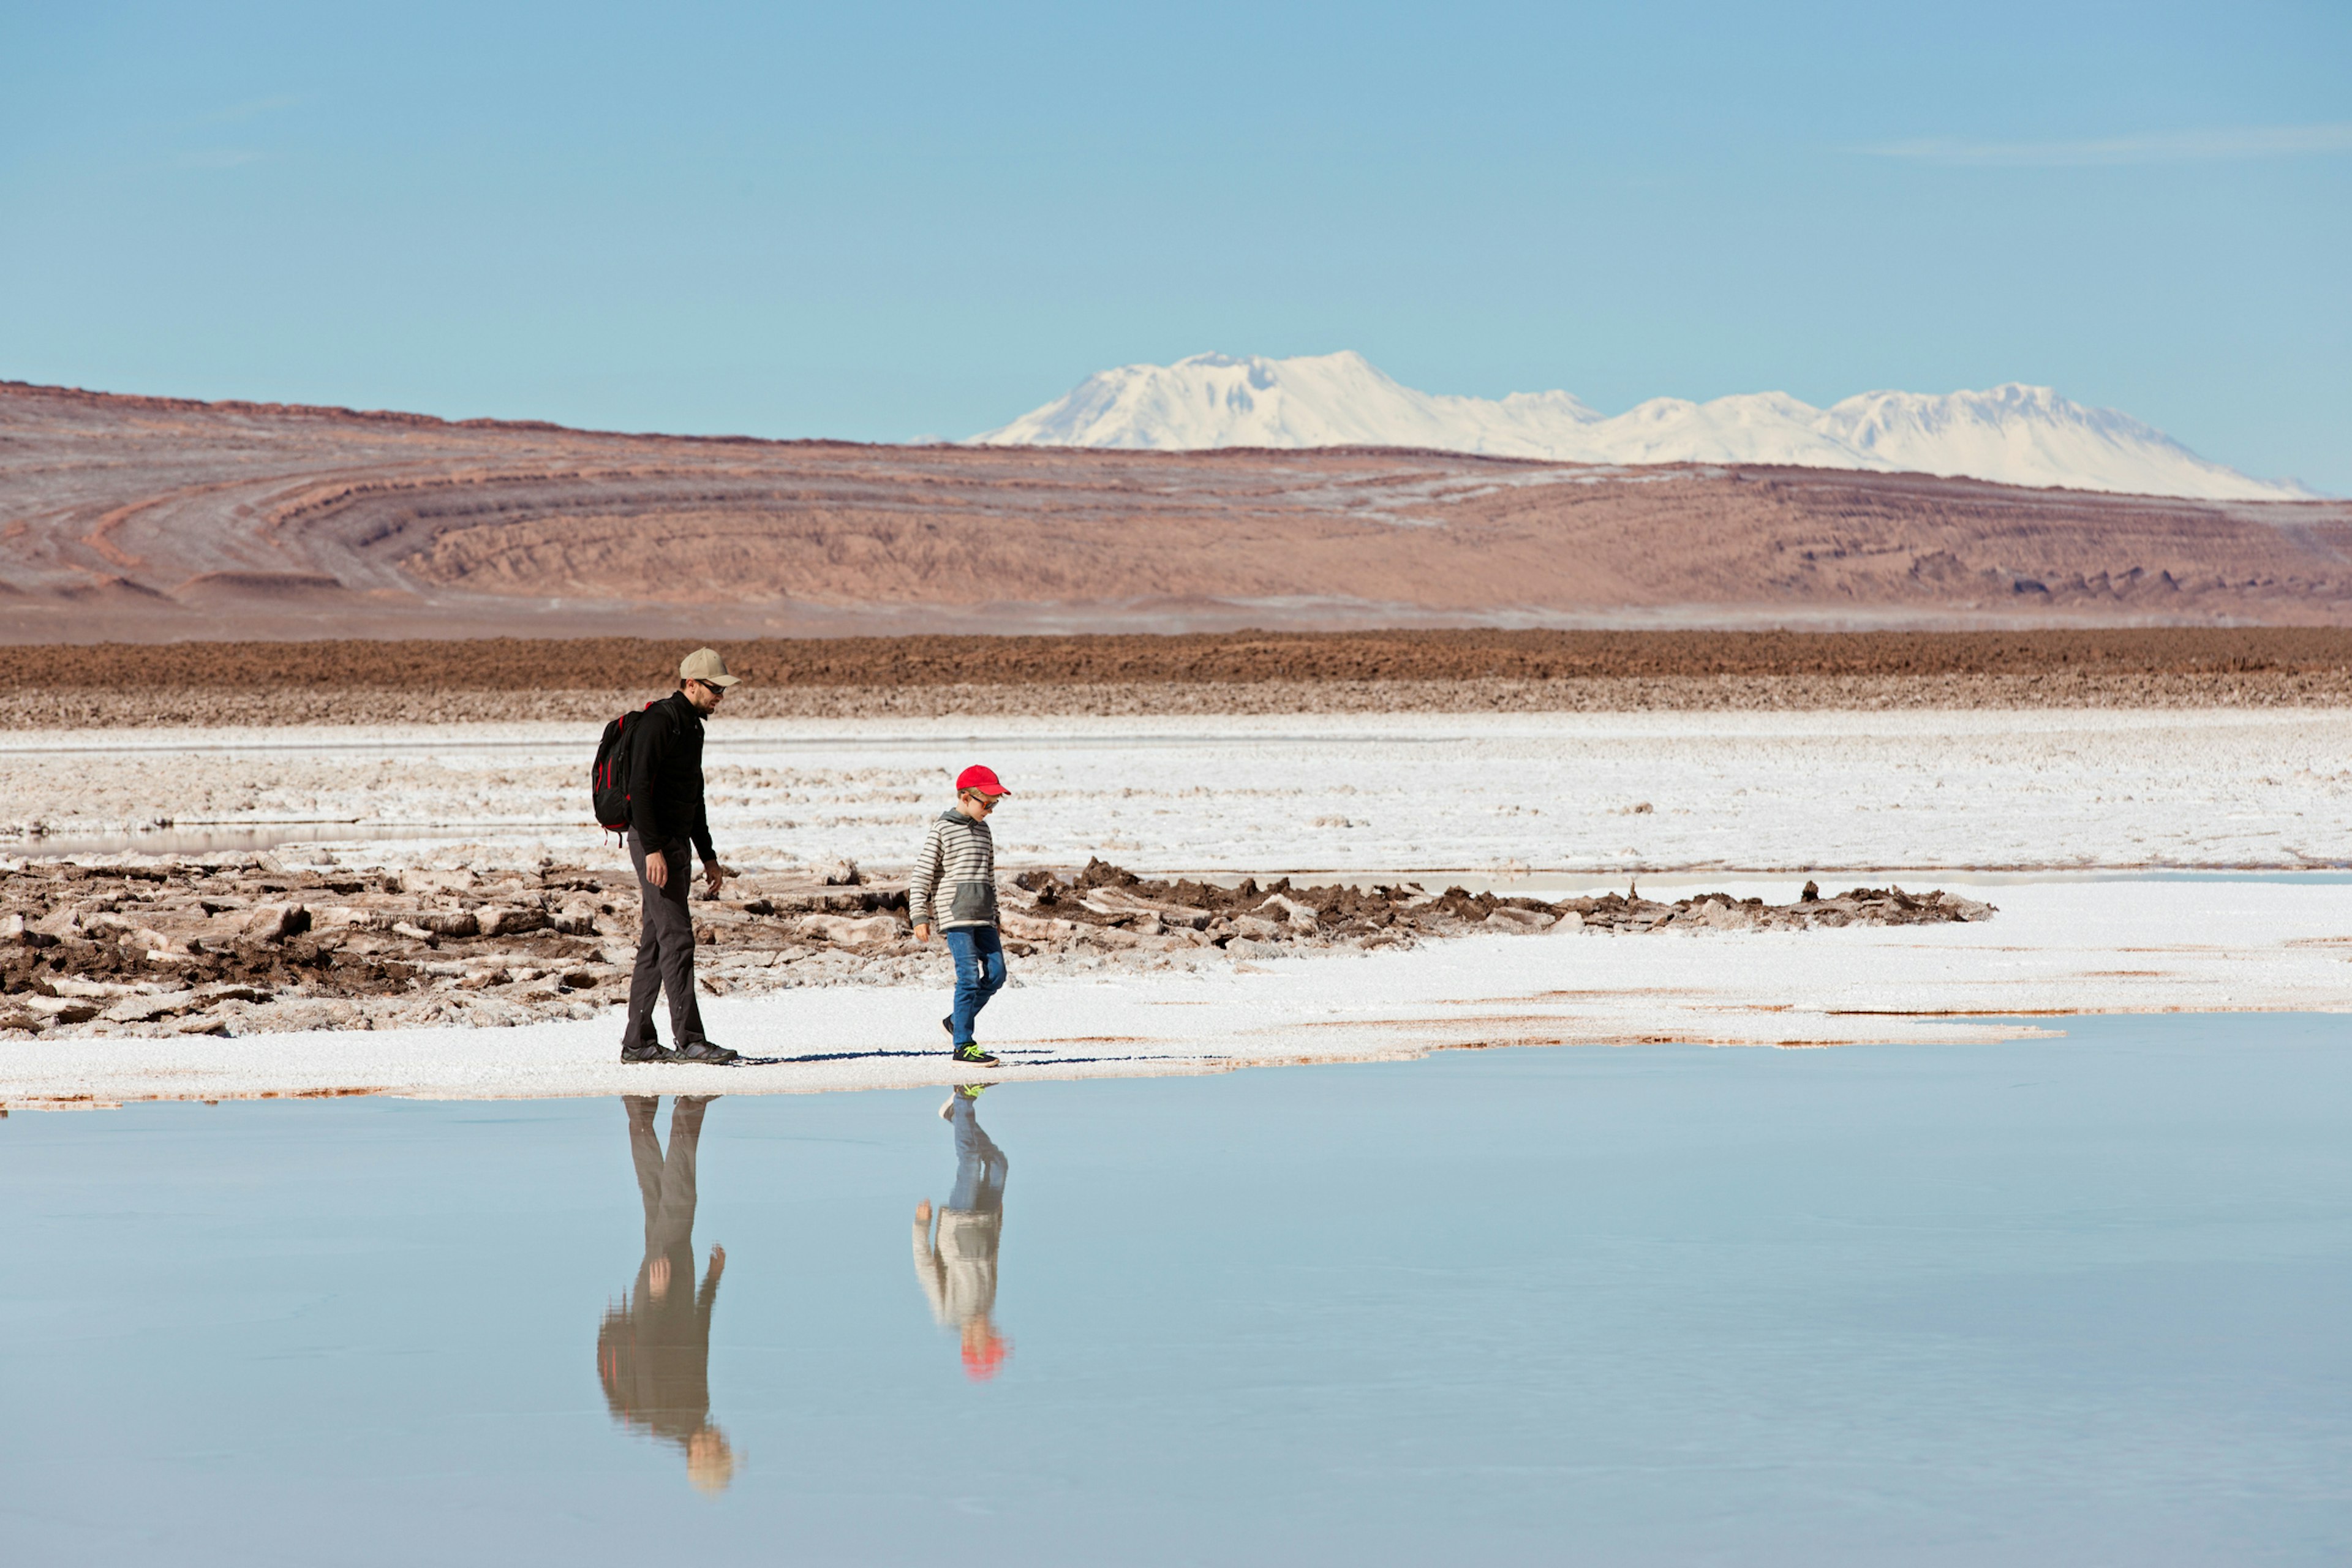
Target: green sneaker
<point>972,1055</point>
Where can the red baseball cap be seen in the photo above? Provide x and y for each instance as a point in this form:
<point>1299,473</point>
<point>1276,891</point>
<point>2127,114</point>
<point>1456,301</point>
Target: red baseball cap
<point>982,779</point>
<point>986,1359</point>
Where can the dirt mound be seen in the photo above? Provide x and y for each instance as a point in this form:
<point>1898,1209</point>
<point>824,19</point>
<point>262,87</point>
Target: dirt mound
<point>237,587</point>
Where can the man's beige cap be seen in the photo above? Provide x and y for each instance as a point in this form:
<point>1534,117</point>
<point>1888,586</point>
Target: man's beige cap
<point>705,665</point>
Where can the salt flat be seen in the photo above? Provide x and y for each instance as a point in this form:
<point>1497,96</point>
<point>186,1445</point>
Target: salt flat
<point>1941,794</point>
<point>2069,947</point>
<point>1981,789</point>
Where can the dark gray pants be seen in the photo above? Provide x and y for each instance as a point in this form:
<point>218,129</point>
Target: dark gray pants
<point>666,1182</point>
<point>665,955</point>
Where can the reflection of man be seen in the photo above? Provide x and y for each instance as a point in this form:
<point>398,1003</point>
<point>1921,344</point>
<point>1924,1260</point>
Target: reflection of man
<point>958,1273</point>
<point>653,1350</point>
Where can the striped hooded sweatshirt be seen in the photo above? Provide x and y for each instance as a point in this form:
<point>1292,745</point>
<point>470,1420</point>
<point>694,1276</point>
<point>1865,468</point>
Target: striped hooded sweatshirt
<point>954,882</point>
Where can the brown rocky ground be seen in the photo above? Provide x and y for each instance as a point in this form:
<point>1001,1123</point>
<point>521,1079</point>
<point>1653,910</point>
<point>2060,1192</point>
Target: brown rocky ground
<point>586,681</point>
<point>237,945</point>
<point>151,519</point>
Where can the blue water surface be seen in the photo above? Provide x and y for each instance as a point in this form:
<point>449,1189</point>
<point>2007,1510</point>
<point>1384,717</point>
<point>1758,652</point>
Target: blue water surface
<point>2066,1301</point>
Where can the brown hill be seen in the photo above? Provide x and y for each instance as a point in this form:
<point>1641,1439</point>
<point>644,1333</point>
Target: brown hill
<point>152,518</point>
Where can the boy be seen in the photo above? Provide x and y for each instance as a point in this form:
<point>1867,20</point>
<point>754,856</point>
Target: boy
<point>960,856</point>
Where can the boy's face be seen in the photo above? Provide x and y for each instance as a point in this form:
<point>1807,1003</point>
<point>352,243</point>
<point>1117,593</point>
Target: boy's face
<point>976,805</point>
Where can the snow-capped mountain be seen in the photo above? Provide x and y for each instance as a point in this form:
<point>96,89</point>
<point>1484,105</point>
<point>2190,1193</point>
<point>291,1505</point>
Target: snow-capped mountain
<point>2014,434</point>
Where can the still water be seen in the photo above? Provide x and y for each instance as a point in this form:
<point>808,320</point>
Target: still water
<point>2073,1301</point>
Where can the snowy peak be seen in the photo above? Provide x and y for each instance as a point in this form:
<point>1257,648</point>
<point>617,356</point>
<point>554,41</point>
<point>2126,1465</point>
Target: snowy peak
<point>1218,400</point>
<point>2013,434</point>
<point>2031,430</point>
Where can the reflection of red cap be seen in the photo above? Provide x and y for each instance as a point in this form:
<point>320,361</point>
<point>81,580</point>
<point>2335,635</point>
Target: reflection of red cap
<point>982,779</point>
<point>981,1361</point>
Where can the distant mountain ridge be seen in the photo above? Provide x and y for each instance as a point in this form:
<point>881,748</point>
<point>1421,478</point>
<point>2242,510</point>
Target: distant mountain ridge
<point>2013,434</point>
<point>144,520</point>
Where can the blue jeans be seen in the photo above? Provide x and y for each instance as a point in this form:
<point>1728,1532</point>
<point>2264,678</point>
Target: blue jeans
<point>980,975</point>
<point>980,1163</point>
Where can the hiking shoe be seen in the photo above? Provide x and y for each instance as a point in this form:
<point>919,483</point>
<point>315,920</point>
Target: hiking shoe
<point>972,1055</point>
<point>706,1051</point>
<point>653,1052</point>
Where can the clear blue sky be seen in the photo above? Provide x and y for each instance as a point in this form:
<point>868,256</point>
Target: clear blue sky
<point>882,221</point>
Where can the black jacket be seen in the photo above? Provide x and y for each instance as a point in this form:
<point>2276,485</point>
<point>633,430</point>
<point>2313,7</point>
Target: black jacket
<point>666,779</point>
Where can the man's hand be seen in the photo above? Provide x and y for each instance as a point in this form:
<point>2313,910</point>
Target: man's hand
<point>923,1212</point>
<point>717,1263</point>
<point>716,873</point>
<point>657,868</point>
<point>658,1278</point>
<point>923,932</point>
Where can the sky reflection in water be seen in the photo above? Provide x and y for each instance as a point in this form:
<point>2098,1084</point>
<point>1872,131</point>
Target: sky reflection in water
<point>2068,1301</point>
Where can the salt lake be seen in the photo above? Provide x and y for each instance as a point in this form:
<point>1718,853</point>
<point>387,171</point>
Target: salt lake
<point>2048,1300</point>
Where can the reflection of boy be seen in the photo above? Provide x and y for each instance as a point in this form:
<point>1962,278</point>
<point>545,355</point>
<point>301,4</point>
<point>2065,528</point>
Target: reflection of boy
<point>653,1349</point>
<point>958,1273</point>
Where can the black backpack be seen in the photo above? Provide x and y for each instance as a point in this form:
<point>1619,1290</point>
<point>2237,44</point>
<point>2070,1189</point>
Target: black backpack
<point>609,780</point>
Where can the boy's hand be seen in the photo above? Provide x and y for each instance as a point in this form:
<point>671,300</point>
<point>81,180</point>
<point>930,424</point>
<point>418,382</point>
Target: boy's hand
<point>923,933</point>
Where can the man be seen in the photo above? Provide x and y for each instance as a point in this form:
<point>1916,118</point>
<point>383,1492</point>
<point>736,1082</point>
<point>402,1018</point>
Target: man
<point>653,1350</point>
<point>665,815</point>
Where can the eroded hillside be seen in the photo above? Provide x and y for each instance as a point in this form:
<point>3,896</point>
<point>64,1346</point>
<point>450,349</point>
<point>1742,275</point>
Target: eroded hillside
<point>144,519</point>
